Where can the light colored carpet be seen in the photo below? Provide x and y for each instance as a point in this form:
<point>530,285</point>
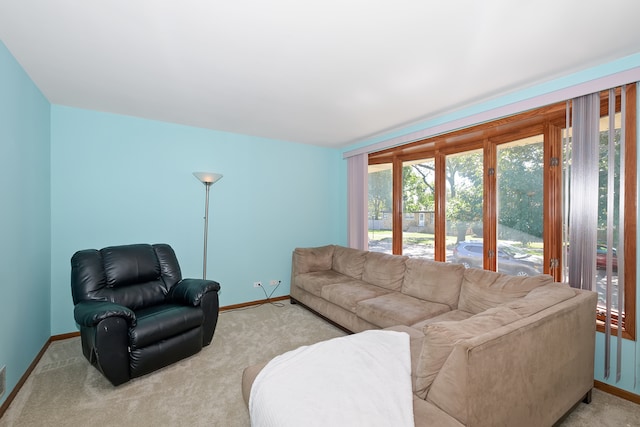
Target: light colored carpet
<point>64,390</point>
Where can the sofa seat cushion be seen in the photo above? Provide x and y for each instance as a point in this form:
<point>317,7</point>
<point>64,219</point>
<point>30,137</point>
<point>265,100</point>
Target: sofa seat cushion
<point>434,281</point>
<point>441,337</point>
<point>314,282</point>
<point>453,315</point>
<point>483,289</point>
<point>349,261</point>
<point>348,294</point>
<point>384,270</point>
<point>398,309</point>
<point>161,322</point>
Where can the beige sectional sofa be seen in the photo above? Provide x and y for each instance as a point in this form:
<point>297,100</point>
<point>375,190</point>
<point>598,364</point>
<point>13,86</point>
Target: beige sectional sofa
<point>487,349</point>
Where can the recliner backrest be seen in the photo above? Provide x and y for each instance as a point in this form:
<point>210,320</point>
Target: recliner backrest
<point>135,276</point>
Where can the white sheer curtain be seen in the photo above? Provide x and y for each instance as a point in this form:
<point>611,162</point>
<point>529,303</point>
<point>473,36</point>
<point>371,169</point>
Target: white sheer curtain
<point>583,194</point>
<point>611,241</point>
<point>357,204</point>
<point>581,220</point>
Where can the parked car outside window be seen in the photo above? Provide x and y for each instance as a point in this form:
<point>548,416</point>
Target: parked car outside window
<point>511,260</point>
<point>601,258</point>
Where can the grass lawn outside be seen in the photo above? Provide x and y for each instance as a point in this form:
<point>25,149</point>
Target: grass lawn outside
<point>428,240</point>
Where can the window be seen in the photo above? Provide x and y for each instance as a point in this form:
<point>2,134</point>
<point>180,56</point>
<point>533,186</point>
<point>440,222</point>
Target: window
<point>380,199</point>
<point>464,196</point>
<point>519,207</point>
<point>418,198</point>
<point>492,198</point>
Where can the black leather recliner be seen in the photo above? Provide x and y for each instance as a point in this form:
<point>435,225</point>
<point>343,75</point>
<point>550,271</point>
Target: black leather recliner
<point>136,313</point>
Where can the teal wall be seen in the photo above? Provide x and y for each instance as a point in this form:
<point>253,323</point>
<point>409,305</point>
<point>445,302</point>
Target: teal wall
<point>74,179</point>
<point>119,180</point>
<point>24,220</point>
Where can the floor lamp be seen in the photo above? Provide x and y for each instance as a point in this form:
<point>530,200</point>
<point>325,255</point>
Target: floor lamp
<point>207,178</point>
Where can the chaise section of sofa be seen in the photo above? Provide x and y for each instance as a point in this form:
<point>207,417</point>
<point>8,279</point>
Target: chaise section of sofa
<point>486,348</point>
<point>527,372</point>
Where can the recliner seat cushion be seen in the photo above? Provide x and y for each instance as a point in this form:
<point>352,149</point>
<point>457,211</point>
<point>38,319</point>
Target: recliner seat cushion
<point>161,322</point>
<point>139,295</point>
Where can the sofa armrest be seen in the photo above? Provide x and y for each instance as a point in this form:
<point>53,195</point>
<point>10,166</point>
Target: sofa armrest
<point>307,260</point>
<point>191,291</point>
<point>90,313</point>
<point>248,377</point>
<point>545,363</point>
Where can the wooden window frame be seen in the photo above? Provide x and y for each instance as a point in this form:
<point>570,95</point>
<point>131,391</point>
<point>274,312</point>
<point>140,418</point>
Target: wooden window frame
<point>549,121</point>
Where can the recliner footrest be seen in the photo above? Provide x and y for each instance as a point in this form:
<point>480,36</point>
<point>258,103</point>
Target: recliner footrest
<point>163,321</point>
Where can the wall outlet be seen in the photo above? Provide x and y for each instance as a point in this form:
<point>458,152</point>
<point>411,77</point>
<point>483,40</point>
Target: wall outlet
<point>257,284</point>
<point>3,380</point>
<point>274,282</point>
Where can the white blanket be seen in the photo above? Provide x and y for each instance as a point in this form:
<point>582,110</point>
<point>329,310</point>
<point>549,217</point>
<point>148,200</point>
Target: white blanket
<point>357,380</point>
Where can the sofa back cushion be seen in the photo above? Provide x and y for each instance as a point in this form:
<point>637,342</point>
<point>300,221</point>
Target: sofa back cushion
<point>483,289</point>
<point>441,337</point>
<point>307,260</point>
<point>541,298</point>
<point>349,261</point>
<point>433,281</point>
<point>384,270</point>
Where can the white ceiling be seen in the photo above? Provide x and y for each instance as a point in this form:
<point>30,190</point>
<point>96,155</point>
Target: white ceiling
<point>324,72</point>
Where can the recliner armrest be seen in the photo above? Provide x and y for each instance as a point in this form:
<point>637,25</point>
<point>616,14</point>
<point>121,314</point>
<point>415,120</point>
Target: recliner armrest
<point>191,291</point>
<point>90,313</point>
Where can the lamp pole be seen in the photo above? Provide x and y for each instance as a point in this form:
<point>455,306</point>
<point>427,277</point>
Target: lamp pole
<point>206,229</point>
<point>207,178</point>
